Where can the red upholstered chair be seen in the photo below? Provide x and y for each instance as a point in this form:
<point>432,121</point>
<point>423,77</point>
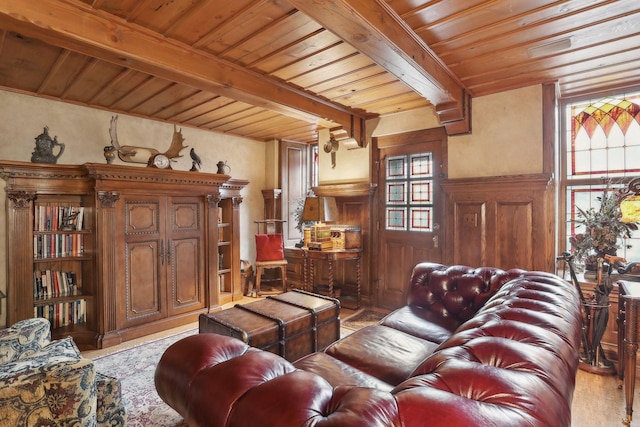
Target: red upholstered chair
<point>270,253</point>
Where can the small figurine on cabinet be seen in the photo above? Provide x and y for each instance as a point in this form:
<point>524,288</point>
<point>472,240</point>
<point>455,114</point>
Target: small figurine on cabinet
<point>196,164</point>
<point>44,148</point>
<point>223,167</point>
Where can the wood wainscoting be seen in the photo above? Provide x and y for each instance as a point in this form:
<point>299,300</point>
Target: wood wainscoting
<point>505,222</point>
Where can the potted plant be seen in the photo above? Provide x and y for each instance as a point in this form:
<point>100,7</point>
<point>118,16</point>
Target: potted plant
<point>603,228</point>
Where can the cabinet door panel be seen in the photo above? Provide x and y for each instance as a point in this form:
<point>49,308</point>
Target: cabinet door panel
<point>142,299</point>
<point>186,275</point>
<point>185,237</point>
<point>143,217</point>
<point>514,234</point>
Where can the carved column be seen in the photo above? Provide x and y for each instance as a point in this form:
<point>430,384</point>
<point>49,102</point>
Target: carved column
<point>20,252</point>
<point>108,267</point>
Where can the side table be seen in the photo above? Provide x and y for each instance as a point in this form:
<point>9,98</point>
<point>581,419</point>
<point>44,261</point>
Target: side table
<point>628,323</point>
<point>330,256</point>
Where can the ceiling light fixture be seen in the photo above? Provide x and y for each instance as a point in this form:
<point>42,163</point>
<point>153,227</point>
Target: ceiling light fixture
<point>549,48</point>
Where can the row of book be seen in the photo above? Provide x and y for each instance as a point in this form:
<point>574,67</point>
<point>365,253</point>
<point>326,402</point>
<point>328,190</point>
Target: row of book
<point>51,217</point>
<point>63,313</point>
<point>52,284</point>
<point>57,245</point>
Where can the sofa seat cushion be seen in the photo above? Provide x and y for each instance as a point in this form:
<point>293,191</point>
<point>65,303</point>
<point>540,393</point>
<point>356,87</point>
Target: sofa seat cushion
<point>338,373</point>
<point>383,352</point>
<point>422,323</point>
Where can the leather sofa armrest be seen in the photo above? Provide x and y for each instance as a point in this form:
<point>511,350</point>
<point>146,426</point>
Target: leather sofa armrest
<point>257,388</point>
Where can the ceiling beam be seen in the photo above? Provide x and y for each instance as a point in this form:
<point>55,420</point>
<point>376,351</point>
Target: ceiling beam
<point>372,27</point>
<point>73,25</point>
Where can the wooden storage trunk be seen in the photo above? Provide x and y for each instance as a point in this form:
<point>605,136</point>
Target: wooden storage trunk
<point>292,324</point>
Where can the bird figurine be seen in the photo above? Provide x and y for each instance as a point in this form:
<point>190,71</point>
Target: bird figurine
<point>197,162</point>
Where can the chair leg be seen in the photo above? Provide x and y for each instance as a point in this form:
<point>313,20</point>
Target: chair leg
<point>283,275</point>
<point>258,277</point>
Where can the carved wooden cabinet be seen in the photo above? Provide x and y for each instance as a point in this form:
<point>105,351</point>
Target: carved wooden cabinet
<point>162,242</point>
<point>150,256</point>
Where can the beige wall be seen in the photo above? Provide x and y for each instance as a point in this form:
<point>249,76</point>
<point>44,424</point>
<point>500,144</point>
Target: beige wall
<point>506,137</point>
<point>85,132</point>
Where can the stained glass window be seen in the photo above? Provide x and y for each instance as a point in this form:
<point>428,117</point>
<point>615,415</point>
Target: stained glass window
<point>602,139</point>
<point>409,192</point>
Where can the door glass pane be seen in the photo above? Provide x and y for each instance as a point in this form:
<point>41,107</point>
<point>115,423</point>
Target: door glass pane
<point>421,219</point>
<point>396,219</point>
<point>409,192</point>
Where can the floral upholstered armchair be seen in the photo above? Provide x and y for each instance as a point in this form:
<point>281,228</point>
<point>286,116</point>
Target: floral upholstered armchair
<point>44,382</point>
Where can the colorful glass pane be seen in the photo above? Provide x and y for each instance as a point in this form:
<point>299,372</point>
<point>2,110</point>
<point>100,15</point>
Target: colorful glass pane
<point>396,167</point>
<point>396,192</point>
<point>421,165</point>
<point>421,191</point>
<point>596,128</point>
<point>396,219</point>
<point>421,219</point>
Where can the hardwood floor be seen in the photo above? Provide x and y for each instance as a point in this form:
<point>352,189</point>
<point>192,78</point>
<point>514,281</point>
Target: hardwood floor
<point>597,400</point>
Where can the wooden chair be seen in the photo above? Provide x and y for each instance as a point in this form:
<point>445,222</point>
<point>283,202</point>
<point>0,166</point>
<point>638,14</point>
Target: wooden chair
<point>270,252</point>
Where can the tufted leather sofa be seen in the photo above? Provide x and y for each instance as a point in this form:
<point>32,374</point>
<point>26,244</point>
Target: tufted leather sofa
<point>472,347</point>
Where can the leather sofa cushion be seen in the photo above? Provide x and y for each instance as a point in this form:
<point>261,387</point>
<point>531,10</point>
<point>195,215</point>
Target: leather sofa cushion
<point>421,323</point>
<point>455,292</point>
<point>383,352</point>
<point>338,373</point>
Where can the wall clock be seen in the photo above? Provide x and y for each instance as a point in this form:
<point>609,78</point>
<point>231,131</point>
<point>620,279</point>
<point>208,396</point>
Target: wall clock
<point>159,161</point>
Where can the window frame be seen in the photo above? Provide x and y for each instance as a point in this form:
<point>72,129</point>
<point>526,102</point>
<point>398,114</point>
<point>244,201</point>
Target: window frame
<point>596,182</point>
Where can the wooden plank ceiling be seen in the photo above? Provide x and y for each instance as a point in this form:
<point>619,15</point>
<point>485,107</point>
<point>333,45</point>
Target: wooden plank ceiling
<point>276,69</point>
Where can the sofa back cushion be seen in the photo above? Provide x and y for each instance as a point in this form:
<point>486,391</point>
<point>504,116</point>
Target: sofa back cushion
<point>455,292</point>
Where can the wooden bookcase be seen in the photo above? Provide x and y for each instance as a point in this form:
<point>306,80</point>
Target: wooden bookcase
<point>39,200</point>
<point>229,268</point>
<point>150,242</point>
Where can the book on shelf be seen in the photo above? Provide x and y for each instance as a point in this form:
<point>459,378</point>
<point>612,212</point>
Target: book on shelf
<point>57,245</point>
<point>52,284</point>
<point>52,217</point>
<point>63,313</point>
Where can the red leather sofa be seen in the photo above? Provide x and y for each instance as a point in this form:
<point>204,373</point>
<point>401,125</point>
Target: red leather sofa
<point>472,347</point>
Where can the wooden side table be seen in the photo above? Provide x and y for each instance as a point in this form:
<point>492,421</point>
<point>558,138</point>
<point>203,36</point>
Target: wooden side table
<point>331,256</point>
<point>628,323</point>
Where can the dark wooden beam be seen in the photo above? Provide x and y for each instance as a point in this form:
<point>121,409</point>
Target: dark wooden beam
<point>74,25</point>
<point>372,27</point>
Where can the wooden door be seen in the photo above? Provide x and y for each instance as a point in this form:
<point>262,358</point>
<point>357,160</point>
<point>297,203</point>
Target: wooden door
<point>185,254</point>
<point>142,298</point>
<point>409,210</point>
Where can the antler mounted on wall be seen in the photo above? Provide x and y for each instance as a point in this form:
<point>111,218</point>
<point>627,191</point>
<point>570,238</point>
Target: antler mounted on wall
<point>331,146</point>
<point>134,154</point>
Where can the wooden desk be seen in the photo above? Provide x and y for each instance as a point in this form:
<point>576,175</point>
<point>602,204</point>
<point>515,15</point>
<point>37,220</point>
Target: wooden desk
<point>628,318</point>
<point>330,256</point>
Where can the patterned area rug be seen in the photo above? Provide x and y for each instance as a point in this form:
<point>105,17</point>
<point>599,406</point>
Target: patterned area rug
<point>361,319</point>
<point>135,367</point>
